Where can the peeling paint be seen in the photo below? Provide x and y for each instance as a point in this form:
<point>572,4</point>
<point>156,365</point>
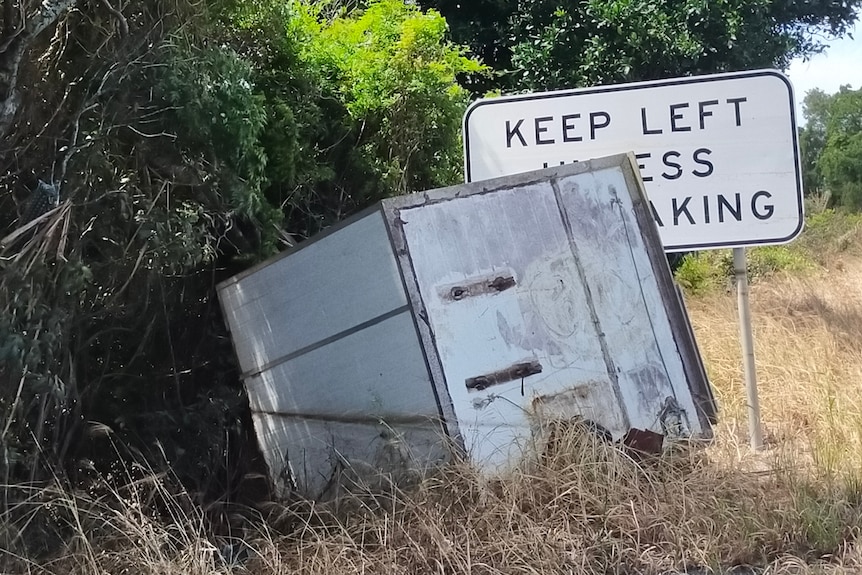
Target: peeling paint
<point>517,371</point>
<point>588,401</point>
<point>467,318</point>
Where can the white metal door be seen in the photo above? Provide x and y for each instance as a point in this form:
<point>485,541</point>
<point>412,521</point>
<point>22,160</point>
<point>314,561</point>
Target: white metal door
<point>507,304</point>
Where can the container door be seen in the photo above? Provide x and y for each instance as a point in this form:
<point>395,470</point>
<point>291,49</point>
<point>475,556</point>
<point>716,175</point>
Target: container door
<point>506,300</point>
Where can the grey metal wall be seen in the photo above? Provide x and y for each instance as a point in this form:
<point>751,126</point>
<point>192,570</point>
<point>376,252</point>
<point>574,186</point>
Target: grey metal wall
<point>331,360</point>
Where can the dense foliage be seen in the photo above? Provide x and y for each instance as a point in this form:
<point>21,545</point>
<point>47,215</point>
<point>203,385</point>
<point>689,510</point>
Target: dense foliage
<point>187,141</point>
<point>547,44</point>
<point>831,145</point>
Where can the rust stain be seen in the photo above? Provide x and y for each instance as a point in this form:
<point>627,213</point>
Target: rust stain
<point>573,396</point>
<point>591,402</point>
<point>484,286</point>
<point>511,373</point>
<point>643,441</point>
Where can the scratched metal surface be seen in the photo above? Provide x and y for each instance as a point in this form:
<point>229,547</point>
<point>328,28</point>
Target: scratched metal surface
<point>585,305</point>
<point>374,373</point>
<point>484,311</point>
<point>627,299</point>
<point>545,316</point>
<point>332,364</point>
<point>317,457</point>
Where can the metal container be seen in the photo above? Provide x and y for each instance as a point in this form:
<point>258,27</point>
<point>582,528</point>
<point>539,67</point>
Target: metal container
<point>467,318</point>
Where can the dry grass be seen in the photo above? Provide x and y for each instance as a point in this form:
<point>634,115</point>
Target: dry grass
<point>808,346</point>
<point>590,508</point>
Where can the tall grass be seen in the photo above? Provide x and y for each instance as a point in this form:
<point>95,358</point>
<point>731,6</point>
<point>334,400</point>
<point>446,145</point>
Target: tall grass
<point>586,507</point>
<point>808,345</point>
<point>830,238</point>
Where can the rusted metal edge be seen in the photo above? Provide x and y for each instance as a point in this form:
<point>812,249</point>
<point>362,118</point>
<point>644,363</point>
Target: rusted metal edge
<point>361,419</point>
<point>484,187</point>
<point>430,351</point>
<point>644,441</point>
<point>698,381</point>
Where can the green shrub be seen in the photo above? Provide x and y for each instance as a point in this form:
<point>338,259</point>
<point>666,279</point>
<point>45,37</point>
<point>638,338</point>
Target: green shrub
<point>698,273</point>
<point>828,233</point>
<point>394,70</point>
<point>767,260</point>
<point>702,272</point>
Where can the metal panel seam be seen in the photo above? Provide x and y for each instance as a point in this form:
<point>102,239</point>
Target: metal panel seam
<point>676,314</point>
<point>326,341</point>
<point>573,247</point>
<point>437,377</point>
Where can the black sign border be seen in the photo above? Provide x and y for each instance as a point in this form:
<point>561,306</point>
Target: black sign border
<point>662,83</point>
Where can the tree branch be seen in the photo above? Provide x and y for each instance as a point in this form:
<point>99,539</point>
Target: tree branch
<point>121,20</point>
<point>50,13</point>
<point>14,48</point>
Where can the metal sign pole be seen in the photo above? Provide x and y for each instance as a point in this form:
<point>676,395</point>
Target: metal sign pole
<point>747,340</point>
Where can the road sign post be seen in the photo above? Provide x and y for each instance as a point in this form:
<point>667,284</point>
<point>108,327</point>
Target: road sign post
<point>746,338</point>
<point>718,155</point>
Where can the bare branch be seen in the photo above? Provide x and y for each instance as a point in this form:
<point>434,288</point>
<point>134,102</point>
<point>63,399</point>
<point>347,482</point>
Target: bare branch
<point>158,135</point>
<point>121,20</point>
<point>13,52</point>
<point>50,13</point>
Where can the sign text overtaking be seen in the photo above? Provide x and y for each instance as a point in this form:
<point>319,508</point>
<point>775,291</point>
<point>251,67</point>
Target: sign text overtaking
<point>718,154</point>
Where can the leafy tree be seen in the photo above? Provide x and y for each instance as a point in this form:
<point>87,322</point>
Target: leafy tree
<point>841,159</point>
<point>396,73</point>
<point>369,98</point>
<point>187,139</point>
<point>812,138</point>
<point>106,305</point>
<point>547,44</point>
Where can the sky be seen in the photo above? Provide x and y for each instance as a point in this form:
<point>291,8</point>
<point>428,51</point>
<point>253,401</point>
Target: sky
<point>839,64</point>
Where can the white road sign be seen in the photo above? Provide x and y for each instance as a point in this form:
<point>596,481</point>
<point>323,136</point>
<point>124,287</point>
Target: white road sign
<point>718,154</point>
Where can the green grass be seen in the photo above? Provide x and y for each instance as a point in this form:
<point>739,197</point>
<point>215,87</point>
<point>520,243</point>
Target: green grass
<point>828,237</point>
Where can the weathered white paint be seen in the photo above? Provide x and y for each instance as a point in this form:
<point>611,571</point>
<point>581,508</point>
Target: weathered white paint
<point>515,232</point>
<point>357,348</point>
<point>628,302</point>
<point>563,246</point>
